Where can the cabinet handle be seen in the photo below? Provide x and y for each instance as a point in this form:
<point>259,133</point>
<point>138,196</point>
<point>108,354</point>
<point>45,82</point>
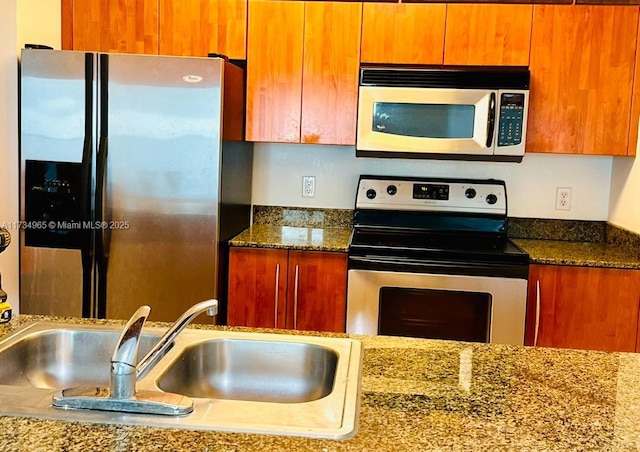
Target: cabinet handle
<point>535,336</point>
<point>295,301</point>
<point>275,322</point>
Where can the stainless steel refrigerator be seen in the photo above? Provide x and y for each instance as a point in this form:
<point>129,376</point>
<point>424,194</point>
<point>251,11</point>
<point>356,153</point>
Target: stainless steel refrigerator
<point>134,174</point>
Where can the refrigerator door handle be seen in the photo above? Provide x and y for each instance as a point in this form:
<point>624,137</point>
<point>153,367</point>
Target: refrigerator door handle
<point>102,233</point>
<point>86,246</point>
<point>102,236</point>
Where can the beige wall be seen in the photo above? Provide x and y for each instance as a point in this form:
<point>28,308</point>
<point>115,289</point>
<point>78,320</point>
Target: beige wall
<point>9,145</point>
<point>625,193</point>
<point>38,23</point>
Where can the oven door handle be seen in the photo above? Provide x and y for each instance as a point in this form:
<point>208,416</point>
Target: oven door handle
<point>438,266</point>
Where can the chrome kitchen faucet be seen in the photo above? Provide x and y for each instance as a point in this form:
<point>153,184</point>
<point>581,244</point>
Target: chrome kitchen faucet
<point>122,394</point>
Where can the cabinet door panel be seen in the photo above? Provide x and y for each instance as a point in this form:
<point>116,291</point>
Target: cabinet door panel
<point>274,70</point>
<point>403,33</point>
<point>488,34</point>
<point>582,62</point>
<point>317,291</point>
<point>330,72</point>
<point>200,27</point>
<point>127,26</point>
<point>257,284</point>
<point>586,308</point>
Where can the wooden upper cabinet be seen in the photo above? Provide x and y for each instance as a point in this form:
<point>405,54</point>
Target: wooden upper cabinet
<point>200,27</point>
<point>274,70</point>
<point>302,71</point>
<point>126,26</point>
<point>635,108</point>
<point>584,307</point>
<point>607,2</point>
<point>403,33</point>
<point>582,67</point>
<point>330,72</point>
<point>479,34</point>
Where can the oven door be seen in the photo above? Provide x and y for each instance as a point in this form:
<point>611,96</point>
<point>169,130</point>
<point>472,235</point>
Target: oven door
<point>437,306</point>
<point>426,120</point>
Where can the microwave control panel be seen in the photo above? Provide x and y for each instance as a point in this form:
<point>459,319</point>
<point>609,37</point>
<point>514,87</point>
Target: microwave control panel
<point>510,121</point>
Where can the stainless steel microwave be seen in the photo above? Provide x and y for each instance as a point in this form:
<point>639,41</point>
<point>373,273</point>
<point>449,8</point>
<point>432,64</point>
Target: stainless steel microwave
<point>446,112</point>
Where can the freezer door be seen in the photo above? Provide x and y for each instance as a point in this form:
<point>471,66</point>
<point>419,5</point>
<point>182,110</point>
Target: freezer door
<point>56,119</point>
<point>158,171</point>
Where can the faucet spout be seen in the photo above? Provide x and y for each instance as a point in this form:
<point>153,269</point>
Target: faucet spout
<point>160,348</point>
<point>125,356</point>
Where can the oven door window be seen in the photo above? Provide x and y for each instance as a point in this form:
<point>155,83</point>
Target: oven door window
<point>424,120</point>
<point>435,314</point>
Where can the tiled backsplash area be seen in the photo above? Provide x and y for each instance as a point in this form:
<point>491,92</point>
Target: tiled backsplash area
<point>549,229</point>
<point>518,228</point>
<point>303,217</point>
<point>575,231</point>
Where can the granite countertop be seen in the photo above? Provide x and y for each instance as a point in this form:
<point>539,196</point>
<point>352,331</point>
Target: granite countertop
<point>584,254</point>
<point>294,237</point>
<point>417,394</point>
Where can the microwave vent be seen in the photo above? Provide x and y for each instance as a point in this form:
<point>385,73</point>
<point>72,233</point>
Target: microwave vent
<point>461,77</point>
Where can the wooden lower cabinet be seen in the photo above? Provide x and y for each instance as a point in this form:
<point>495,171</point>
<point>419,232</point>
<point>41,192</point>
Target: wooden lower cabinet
<point>304,290</point>
<point>584,307</point>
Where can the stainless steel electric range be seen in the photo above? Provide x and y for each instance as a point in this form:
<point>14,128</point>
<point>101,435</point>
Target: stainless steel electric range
<point>430,258</point>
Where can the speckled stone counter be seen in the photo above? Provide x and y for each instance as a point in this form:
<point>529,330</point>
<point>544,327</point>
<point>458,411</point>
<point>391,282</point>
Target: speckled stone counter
<point>579,243</point>
<point>292,237</point>
<point>420,395</point>
<point>584,254</point>
<point>297,228</point>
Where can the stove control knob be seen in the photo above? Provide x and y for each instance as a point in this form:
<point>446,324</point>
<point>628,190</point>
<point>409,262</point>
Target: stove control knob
<point>371,193</point>
<point>470,193</point>
<point>392,190</point>
<point>492,199</point>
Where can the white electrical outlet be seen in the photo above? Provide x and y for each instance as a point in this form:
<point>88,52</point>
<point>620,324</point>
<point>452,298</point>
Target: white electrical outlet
<point>563,198</point>
<point>308,186</point>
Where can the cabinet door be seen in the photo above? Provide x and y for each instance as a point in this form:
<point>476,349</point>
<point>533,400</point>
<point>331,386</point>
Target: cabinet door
<point>257,287</point>
<point>274,70</point>
<point>127,26</point>
<point>585,308</point>
<point>582,62</point>
<point>200,27</point>
<point>330,72</point>
<point>488,34</point>
<point>317,291</point>
<point>402,33</point>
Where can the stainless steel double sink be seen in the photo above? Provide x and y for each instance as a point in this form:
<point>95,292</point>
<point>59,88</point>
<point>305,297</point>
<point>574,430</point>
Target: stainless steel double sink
<point>240,382</point>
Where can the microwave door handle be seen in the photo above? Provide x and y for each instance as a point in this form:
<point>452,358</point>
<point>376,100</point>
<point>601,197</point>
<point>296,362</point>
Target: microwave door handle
<point>491,120</point>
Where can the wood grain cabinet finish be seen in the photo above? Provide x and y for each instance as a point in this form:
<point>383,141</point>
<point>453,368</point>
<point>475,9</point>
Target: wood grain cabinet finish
<point>125,26</point>
<point>257,287</point>
<point>330,72</point>
<point>403,33</point>
<point>584,307</point>
<point>200,27</point>
<point>607,2</point>
<point>302,71</point>
<point>479,34</point>
<point>582,66</point>
<point>274,70</point>
<point>304,290</point>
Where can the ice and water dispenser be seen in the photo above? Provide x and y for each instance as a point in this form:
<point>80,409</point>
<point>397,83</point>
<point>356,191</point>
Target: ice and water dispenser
<point>52,204</point>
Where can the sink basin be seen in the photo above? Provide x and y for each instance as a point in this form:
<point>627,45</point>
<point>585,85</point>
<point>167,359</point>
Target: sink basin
<point>245,382</point>
<point>62,358</point>
<point>264,371</point>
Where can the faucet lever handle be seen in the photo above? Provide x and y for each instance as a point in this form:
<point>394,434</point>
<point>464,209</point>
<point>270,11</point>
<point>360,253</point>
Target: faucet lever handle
<point>125,355</point>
